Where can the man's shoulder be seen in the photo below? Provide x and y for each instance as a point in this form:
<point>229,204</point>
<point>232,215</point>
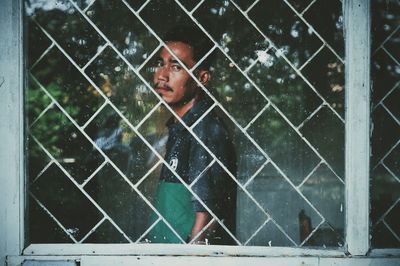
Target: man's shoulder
<point>211,126</point>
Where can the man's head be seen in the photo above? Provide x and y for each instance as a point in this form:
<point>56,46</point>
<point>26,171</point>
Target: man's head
<point>172,81</point>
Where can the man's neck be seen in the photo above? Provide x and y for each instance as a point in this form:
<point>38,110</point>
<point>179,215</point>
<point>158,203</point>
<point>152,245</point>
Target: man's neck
<point>180,110</point>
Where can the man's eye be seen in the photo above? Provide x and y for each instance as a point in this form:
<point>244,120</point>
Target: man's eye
<point>159,64</point>
<point>176,67</point>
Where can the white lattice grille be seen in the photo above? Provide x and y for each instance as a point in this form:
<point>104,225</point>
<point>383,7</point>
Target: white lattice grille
<point>279,72</point>
<point>385,181</point>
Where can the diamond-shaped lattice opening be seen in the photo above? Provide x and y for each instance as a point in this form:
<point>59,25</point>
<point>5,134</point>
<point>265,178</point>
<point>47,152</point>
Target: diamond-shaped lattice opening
<point>221,198</point>
<point>392,46</point>
<point>66,202</point>
<point>382,237</point>
<point>292,36</point>
<point>153,129</point>
<point>385,134</point>
<point>249,229</point>
<point>284,87</point>
<point>128,35</point>
<point>120,201</point>
<point>106,233</point>
<point>122,146</point>
<point>235,93</point>
<point>385,20</point>
<point>248,156</point>
<point>43,228</point>
<point>270,235</point>
<point>324,190</point>
<point>37,42</point>
<point>392,161</point>
<point>285,147</point>
<point>392,103</point>
<point>326,133</point>
<point>385,190</point>
<point>385,74</point>
<point>300,5</point>
<point>36,99</point>
<point>327,19</point>
<point>189,4</point>
<point>283,203</point>
<point>244,4</point>
<point>148,186</point>
<point>162,233</point>
<point>37,159</point>
<point>71,31</point>
<point>67,85</point>
<point>392,219</point>
<point>325,236</point>
<point>65,143</point>
<point>136,4</point>
<point>241,45</point>
<point>326,73</point>
<point>163,15</point>
<point>121,85</point>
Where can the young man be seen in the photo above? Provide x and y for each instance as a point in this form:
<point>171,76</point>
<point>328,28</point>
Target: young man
<point>186,156</point>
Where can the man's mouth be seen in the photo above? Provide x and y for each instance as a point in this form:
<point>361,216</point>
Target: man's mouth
<point>162,89</point>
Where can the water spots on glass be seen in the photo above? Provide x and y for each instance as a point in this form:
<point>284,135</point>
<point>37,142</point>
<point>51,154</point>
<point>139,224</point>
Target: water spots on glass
<point>129,36</point>
<point>73,231</point>
<point>385,171</point>
<point>265,58</point>
<point>269,110</point>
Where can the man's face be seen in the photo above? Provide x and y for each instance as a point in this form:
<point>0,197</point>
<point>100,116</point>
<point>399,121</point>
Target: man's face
<point>172,81</point>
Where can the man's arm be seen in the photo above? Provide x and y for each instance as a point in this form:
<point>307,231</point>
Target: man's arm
<point>212,187</point>
<point>201,220</point>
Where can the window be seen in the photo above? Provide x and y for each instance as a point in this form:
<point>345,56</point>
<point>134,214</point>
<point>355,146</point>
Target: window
<point>70,202</point>
<point>96,127</point>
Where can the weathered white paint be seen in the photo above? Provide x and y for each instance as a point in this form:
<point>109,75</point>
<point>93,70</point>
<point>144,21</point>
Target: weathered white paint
<point>357,36</point>
<point>11,130</point>
<point>49,263</point>
<point>174,249</point>
<point>196,261</point>
<point>199,261</point>
<point>359,262</point>
<point>41,260</point>
<point>387,252</point>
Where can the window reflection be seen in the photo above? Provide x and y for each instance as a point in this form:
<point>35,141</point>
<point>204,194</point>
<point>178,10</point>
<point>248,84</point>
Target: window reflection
<point>385,173</point>
<point>97,130</point>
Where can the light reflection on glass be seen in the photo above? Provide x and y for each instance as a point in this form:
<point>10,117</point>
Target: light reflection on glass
<point>270,87</point>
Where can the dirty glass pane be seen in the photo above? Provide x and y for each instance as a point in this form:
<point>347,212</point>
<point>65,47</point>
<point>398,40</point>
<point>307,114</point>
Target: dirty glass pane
<point>385,119</point>
<point>111,159</point>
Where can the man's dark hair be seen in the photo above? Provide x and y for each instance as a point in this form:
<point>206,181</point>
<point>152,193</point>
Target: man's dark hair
<point>194,37</point>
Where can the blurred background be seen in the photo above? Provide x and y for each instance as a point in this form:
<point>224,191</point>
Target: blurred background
<point>96,129</point>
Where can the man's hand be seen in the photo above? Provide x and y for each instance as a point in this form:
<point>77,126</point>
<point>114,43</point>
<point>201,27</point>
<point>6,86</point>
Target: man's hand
<point>201,220</point>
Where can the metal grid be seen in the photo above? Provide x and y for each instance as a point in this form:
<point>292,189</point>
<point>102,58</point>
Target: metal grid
<point>136,129</point>
<point>385,179</point>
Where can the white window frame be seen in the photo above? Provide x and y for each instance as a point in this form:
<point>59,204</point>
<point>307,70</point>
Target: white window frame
<point>357,152</point>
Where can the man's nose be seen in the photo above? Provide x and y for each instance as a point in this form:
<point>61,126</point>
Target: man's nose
<point>163,73</point>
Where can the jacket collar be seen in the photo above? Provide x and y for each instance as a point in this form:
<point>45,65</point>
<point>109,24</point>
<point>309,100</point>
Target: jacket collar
<point>190,117</point>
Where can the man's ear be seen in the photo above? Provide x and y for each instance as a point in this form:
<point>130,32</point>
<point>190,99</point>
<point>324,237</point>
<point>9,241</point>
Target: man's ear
<point>204,76</point>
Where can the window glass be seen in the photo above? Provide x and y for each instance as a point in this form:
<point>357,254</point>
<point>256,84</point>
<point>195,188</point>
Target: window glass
<point>385,118</point>
<point>260,154</point>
